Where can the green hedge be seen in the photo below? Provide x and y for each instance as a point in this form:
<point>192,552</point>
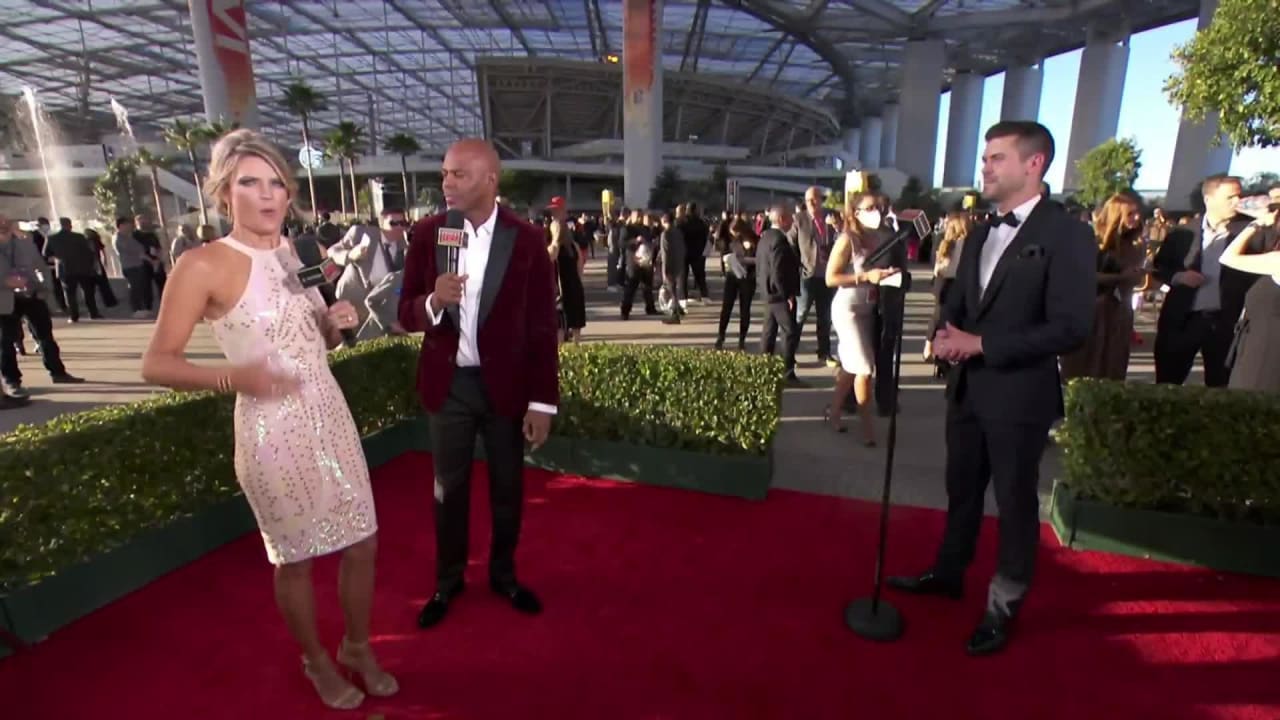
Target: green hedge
<point>1210,452</point>
<point>85,483</point>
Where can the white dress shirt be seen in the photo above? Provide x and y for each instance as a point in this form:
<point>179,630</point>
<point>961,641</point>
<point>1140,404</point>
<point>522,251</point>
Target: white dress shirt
<point>472,262</point>
<point>998,239</point>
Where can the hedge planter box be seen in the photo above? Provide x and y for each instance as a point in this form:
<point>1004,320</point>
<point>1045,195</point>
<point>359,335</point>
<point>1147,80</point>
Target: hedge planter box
<point>32,612</point>
<point>37,610</point>
<point>1188,539</point>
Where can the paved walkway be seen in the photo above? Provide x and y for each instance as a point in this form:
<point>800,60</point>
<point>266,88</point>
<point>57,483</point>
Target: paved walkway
<point>809,457</point>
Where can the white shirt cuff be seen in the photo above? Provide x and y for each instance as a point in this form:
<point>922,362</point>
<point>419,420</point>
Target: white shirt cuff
<point>436,317</point>
<point>543,408</point>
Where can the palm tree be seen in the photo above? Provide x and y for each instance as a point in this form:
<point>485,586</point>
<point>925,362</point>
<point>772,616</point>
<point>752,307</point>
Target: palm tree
<point>218,128</point>
<point>303,100</point>
<point>335,149</point>
<point>189,137</point>
<point>349,138</point>
<point>404,145</point>
<point>153,163</point>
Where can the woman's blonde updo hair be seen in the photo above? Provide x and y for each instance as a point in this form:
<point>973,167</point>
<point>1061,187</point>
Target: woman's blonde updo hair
<point>227,153</point>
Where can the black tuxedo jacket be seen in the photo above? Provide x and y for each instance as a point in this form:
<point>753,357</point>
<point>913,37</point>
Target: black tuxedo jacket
<point>1037,306</point>
<point>779,265</point>
<point>1182,250</point>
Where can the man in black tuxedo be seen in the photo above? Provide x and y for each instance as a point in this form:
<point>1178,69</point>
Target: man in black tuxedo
<point>1023,295</point>
<point>1205,298</point>
<point>891,304</point>
<point>779,266</point>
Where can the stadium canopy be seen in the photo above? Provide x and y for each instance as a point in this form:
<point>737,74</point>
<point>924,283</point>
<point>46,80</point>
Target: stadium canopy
<point>418,66</point>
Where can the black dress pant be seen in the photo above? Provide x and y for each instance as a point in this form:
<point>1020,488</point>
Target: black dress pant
<point>696,263</point>
<point>86,284</point>
<point>466,414</point>
<point>139,278</point>
<point>737,290</point>
<point>1205,333</point>
<point>637,278</point>
<point>979,451</point>
<point>37,314</point>
<point>781,318</point>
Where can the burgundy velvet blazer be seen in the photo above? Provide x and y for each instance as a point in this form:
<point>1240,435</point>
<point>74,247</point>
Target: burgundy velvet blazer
<point>518,328</point>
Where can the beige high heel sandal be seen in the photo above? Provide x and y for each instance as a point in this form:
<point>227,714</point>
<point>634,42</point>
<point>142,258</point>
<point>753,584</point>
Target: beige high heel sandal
<point>358,657</point>
<point>348,699</point>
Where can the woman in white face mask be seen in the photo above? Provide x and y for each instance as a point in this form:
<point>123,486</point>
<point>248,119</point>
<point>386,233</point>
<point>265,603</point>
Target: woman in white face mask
<point>853,310</point>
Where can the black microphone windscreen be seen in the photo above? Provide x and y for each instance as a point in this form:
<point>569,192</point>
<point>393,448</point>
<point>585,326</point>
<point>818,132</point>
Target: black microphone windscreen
<point>454,219</point>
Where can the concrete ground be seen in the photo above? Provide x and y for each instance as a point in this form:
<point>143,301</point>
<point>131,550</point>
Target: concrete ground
<point>809,457</point>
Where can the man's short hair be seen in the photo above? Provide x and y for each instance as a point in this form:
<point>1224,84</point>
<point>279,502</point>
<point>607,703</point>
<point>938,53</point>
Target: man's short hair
<point>123,221</point>
<point>42,220</point>
<point>1032,138</point>
<point>1213,182</point>
<point>1273,187</point>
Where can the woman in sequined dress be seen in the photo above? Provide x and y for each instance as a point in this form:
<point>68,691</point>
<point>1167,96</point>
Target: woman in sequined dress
<point>298,455</point>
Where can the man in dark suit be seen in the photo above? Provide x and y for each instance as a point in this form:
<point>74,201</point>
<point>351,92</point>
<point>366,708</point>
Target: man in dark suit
<point>1023,295</point>
<point>779,267</point>
<point>488,365</point>
<point>1205,298</point>
<point>891,304</point>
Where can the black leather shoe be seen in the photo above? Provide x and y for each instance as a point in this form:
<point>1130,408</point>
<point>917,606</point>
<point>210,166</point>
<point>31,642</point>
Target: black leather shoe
<point>928,584</point>
<point>991,635</point>
<point>437,607</point>
<point>521,598</point>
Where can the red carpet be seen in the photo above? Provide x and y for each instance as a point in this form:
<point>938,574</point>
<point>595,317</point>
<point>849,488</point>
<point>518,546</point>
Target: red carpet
<point>668,604</point>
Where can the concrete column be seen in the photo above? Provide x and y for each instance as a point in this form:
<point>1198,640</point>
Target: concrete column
<point>852,139</point>
<point>1098,93</point>
<point>872,142</point>
<point>918,117</point>
<point>889,136</point>
<point>963,130</point>
<point>222,55</point>
<point>1022,86</point>
<point>1194,157</point>
<point>642,99</point>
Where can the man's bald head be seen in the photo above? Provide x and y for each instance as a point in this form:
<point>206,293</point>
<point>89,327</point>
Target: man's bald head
<point>469,178</point>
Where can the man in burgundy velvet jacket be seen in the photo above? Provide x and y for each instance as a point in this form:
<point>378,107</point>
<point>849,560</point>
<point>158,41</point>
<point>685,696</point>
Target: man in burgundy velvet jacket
<point>488,365</point>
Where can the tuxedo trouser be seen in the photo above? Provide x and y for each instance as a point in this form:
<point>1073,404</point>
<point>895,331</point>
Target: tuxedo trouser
<point>465,414</point>
<point>1206,333</point>
<point>781,319</point>
<point>979,451</point>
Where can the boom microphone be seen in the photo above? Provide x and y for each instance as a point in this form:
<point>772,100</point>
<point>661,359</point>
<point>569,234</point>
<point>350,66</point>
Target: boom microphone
<point>321,273</point>
<point>452,236</point>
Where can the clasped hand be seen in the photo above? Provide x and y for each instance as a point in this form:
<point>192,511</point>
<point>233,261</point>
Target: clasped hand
<point>955,345</point>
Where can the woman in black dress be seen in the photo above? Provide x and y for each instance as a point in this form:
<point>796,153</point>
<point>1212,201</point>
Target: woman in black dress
<point>573,300</point>
<point>1256,350</point>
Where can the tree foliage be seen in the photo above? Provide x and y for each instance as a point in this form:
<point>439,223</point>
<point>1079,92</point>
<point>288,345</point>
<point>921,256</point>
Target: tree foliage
<point>1232,67</point>
<point>1107,169</point>
<point>117,191</point>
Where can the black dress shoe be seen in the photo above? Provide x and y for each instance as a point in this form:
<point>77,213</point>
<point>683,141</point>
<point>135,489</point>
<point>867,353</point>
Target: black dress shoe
<point>437,607</point>
<point>928,584</point>
<point>521,598</point>
<point>991,635</point>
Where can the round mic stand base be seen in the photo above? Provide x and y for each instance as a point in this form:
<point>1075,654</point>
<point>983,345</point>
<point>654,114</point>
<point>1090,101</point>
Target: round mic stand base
<point>874,621</point>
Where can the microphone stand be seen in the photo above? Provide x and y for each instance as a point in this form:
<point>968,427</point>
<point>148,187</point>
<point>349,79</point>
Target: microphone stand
<point>872,618</point>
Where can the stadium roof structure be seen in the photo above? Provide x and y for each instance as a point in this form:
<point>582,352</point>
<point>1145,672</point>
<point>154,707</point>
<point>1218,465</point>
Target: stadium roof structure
<point>418,66</point>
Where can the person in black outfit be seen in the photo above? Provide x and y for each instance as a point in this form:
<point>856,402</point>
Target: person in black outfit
<point>77,265</point>
<point>735,237</point>
<point>638,257</point>
<point>780,266</point>
<point>891,303</point>
<point>696,234</point>
<point>1256,352</point>
<point>1023,296</point>
<point>1205,299</point>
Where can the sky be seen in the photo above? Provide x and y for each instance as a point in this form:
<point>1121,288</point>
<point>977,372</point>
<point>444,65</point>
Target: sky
<point>1146,115</point>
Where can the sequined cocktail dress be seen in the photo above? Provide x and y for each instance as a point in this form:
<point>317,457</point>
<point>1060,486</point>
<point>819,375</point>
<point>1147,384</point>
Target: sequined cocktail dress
<point>298,458</point>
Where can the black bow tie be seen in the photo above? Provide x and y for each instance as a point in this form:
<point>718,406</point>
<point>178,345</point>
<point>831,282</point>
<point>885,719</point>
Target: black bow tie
<point>1006,219</point>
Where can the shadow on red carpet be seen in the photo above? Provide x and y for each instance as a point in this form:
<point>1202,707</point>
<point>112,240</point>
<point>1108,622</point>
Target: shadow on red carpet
<point>670,604</point>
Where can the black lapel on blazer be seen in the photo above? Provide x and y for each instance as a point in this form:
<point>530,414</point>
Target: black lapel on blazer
<point>973,244</point>
<point>1031,230</point>
<point>504,241</point>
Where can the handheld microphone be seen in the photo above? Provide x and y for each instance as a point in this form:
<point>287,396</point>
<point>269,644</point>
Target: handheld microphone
<point>319,272</point>
<point>452,236</point>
